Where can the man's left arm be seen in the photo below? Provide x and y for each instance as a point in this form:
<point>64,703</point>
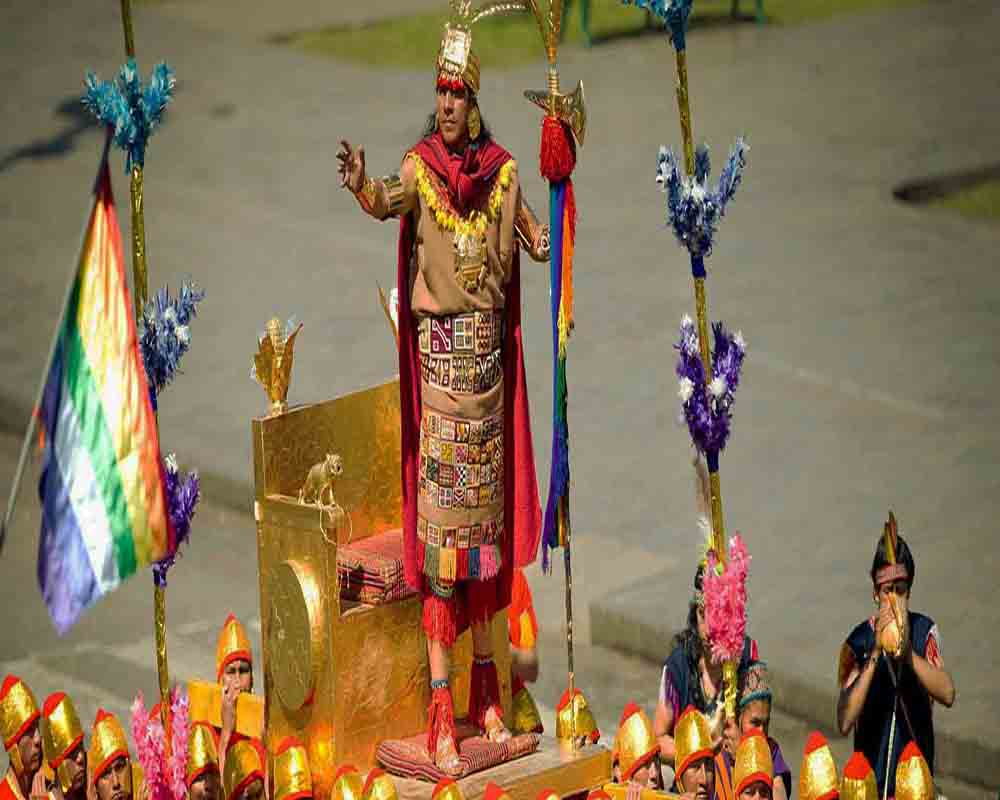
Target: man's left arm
<point>930,670</point>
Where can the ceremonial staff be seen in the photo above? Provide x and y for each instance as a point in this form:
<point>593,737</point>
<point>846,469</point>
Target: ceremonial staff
<point>563,128</point>
<point>707,380</point>
<point>133,110</point>
<point>140,287</point>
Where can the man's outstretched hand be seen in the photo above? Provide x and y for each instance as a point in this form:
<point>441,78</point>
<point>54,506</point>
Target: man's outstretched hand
<point>351,167</point>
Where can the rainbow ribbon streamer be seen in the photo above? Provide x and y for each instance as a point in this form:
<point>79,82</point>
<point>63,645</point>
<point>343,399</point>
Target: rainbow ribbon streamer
<point>562,224</point>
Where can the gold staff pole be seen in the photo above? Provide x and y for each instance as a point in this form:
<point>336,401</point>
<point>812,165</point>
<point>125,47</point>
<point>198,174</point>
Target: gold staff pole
<point>568,109</point>
<point>701,310</point>
<point>700,302</point>
<point>140,288</point>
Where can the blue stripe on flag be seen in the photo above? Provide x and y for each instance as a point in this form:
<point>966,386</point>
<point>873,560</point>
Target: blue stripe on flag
<point>65,576</point>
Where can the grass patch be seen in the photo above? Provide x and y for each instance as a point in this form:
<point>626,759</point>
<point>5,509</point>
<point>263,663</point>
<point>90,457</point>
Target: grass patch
<point>981,201</point>
<point>411,41</point>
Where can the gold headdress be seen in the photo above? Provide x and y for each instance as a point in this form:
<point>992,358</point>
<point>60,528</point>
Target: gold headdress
<point>692,738</point>
<point>456,61</point>
<point>447,789</point>
<point>347,784</point>
<point>380,786</point>
<point>18,711</point>
<point>753,761</point>
<point>495,792</point>
<point>107,744</point>
<point>244,765</point>
<point>913,778</point>
<point>818,776</point>
<point>858,782</point>
<point>586,725</point>
<point>524,714</point>
<point>61,734</point>
<point>292,778</point>
<point>233,645</point>
<point>203,752</point>
<point>635,743</point>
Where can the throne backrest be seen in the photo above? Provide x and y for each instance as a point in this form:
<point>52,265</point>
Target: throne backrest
<point>363,427</point>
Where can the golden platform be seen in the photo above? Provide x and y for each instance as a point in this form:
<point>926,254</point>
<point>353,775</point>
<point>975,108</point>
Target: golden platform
<point>552,766</point>
<point>343,676</point>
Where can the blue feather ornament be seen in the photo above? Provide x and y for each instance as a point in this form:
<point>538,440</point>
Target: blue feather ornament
<point>674,14</point>
<point>165,334</point>
<point>693,209</point>
<point>133,110</point>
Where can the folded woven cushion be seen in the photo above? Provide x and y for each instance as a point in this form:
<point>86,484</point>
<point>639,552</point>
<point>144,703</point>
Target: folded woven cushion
<point>408,758</point>
<point>371,570</point>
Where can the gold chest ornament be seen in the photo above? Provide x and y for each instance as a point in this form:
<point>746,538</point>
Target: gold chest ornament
<point>468,232</point>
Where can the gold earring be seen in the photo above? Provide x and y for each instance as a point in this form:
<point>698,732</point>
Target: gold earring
<point>475,123</point>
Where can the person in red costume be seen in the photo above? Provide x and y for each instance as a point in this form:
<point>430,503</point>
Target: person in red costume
<point>470,497</point>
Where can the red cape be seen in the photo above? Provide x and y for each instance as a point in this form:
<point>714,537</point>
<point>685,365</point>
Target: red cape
<point>522,511</point>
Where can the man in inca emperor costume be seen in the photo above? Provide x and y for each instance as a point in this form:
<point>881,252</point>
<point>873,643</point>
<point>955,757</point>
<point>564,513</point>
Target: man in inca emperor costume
<point>470,499</point>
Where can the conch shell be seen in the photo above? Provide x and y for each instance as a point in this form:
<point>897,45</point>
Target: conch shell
<point>892,634</point>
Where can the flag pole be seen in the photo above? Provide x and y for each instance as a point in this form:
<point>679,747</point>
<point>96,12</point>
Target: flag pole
<point>140,288</point>
<point>22,459</point>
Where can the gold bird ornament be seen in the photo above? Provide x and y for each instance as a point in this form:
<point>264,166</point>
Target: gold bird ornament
<point>272,363</point>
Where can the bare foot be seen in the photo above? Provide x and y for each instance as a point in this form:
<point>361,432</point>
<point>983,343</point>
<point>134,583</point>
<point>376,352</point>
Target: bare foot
<point>495,731</point>
<point>446,755</point>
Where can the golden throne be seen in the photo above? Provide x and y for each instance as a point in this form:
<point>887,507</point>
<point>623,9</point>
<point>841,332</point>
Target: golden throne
<point>340,674</point>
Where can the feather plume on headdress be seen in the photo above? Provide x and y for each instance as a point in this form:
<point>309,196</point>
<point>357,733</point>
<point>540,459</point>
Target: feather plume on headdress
<point>890,534</point>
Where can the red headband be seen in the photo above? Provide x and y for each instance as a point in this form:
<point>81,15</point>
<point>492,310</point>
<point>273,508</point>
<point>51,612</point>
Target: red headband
<point>454,84</point>
<point>891,572</point>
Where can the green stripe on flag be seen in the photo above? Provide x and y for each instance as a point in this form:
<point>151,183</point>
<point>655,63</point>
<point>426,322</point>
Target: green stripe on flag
<point>97,438</point>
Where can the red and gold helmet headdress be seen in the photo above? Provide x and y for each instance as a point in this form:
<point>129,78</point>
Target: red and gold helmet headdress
<point>347,784</point>
<point>233,645</point>
<point>913,777</point>
<point>753,761</point>
<point>457,64</point>
<point>635,743</point>
<point>858,782</point>
<point>380,786</point>
<point>818,776</point>
<point>203,752</point>
<point>495,792</point>
<point>18,712</point>
<point>692,738</point>
<point>586,725</point>
<point>244,764</point>
<point>107,744</point>
<point>292,777</point>
<point>447,789</point>
<point>62,733</point>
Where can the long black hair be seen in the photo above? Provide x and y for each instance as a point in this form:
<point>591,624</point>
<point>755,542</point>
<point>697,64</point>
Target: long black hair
<point>903,556</point>
<point>690,640</point>
<point>485,134</point>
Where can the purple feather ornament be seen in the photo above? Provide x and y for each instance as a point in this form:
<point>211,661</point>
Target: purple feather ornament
<point>183,493</point>
<point>707,406</point>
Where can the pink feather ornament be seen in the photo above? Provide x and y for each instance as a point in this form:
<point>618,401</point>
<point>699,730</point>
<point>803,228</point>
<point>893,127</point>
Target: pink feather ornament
<point>726,602</point>
<point>165,777</point>
<point>179,730</point>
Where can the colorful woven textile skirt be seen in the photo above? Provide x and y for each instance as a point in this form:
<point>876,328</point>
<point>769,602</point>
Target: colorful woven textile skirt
<point>460,508</point>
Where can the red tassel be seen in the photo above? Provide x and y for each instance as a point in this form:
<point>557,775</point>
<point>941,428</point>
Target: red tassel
<point>484,692</point>
<point>558,152</point>
<point>440,719</point>
<point>440,619</point>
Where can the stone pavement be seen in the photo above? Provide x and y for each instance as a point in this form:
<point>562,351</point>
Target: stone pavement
<point>873,327</point>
